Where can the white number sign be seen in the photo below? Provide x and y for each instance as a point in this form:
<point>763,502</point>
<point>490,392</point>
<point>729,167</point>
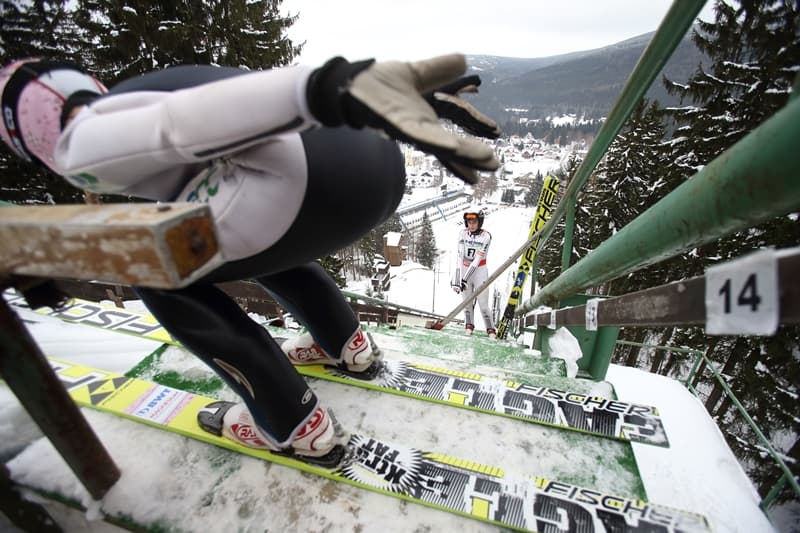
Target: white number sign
<point>742,296</point>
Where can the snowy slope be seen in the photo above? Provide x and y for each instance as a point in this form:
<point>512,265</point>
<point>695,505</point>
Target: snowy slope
<point>192,486</point>
<point>698,471</point>
<point>180,484</point>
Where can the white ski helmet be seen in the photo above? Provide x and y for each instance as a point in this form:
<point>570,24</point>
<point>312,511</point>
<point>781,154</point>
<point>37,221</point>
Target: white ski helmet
<point>33,94</point>
<point>476,212</point>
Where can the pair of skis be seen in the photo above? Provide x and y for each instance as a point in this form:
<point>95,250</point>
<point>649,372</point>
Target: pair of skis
<point>563,409</point>
<point>455,485</point>
<point>443,482</point>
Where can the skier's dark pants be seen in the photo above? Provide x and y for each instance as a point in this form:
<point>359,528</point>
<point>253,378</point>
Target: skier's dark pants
<point>356,180</point>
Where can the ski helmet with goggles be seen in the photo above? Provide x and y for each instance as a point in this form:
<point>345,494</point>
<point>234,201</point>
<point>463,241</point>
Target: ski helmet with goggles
<point>35,97</point>
<point>474,215</point>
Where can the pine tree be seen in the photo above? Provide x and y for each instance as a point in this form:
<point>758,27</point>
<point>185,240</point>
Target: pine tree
<point>426,248</point>
<point>534,190</point>
<point>335,268</point>
<point>622,188</point>
<point>134,37</point>
<point>486,186</point>
<point>755,52</point>
<point>549,255</point>
<point>371,244</point>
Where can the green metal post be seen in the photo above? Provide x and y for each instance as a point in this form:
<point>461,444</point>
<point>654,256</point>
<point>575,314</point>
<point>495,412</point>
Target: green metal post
<point>596,346</point>
<point>569,229</point>
<point>795,87</point>
<point>693,371</point>
<point>604,343</point>
<point>751,182</point>
<point>766,503</point>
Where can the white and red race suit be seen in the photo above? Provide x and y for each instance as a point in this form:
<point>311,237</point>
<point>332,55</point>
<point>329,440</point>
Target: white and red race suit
<point>472,270</point>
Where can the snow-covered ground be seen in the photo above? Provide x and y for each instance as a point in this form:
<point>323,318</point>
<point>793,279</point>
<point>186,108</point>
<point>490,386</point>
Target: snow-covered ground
<point>696,473</point>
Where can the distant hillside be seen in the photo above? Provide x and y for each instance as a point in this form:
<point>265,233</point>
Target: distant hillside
<point>584,83</point>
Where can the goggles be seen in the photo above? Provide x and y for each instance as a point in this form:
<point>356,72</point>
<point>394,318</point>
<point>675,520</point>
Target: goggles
<point>470,216</point>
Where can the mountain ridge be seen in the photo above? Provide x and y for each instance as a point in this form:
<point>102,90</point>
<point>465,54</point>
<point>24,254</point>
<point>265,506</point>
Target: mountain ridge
<point>585,83</point>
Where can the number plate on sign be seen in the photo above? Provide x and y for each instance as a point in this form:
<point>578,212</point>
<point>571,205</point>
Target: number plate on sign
<point>742,296</point>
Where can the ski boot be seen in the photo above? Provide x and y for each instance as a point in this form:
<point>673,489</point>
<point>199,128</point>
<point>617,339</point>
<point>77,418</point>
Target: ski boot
<point>492,333</point>
<point>468,329</point>
<point>316,443</point>
<point>361,358</point>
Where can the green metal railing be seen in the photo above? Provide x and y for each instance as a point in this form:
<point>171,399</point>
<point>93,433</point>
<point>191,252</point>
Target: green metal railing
<point>787,474</point>
<point>751,182</point>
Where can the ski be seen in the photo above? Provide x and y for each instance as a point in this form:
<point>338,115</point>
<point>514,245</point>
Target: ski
<point>451,484</point>
<point>538,404</point>
<point>543,210</point>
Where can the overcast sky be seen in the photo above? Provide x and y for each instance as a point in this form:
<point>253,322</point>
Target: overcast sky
<point>416,29</point>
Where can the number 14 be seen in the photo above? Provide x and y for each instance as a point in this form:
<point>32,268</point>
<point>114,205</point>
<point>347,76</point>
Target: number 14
<point>747,296</point>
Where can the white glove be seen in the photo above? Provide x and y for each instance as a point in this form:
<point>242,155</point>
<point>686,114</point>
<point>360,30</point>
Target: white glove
<point>388,96</point>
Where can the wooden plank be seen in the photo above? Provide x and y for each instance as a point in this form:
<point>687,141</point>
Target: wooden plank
<point>154,245</point>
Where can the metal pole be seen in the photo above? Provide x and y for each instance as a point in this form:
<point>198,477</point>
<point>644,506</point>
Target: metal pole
<point>569,228</point>
<point>761,437</point>
<point>435,268</point>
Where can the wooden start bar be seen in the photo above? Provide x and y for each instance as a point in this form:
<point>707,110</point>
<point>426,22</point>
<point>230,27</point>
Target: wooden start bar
<point>154,245</point>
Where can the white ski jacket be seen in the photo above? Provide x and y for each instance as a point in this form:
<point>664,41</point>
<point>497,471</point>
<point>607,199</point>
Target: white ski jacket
<point>231,143</point>
<point>472,250</point>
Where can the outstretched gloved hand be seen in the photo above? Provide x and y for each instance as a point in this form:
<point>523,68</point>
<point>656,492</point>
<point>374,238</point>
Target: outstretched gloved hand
<point>445,101</point>
<point>388,96</point>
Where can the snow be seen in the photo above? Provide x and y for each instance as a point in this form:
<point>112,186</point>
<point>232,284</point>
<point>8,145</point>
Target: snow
<point>704,478</point>
<point>181,482</point>
<point>564,343</point>
<point>393,238</point>
<point>562,120</point>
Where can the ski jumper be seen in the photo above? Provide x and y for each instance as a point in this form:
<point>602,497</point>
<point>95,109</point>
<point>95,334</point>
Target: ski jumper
<point>471,268</point>
<point>283,192</point>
